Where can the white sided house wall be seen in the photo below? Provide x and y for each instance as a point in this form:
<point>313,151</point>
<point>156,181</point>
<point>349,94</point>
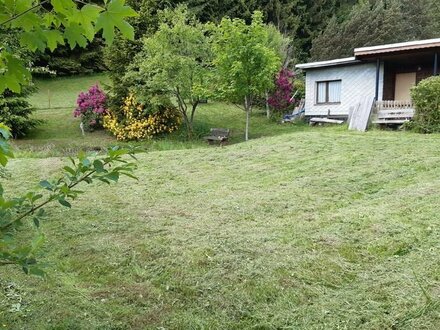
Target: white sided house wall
<point>357,82</point>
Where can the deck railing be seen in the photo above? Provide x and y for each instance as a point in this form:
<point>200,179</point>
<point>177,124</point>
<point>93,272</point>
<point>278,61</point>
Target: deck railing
<point>393,112</point>
<point>393,105</point>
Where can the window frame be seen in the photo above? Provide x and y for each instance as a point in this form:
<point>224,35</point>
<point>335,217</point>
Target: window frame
<point>327,83</point>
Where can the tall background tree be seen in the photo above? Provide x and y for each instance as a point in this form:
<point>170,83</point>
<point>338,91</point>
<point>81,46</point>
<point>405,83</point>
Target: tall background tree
<point>175,61</point>
<point>245,62</point>
<point>120,54</point>
<point>377,22</point>
<point>303,21</point>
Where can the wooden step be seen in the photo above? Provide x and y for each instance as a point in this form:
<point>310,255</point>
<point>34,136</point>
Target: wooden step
<point>390,121</point>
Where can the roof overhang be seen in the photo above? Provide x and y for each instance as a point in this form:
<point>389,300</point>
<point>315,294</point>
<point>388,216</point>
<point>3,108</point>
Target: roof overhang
<point>366,54</point>
<point>323,64</point>
<point>398,47</point>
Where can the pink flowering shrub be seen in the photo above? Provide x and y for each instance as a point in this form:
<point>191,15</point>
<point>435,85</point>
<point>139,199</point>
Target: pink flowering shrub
<point>91,108</point>
<point>281,98</point>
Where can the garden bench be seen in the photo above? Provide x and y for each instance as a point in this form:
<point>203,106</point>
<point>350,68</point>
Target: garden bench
<point>220,135</point>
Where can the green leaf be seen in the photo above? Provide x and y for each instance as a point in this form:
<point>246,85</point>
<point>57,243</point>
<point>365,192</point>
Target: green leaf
<point>36,197</point>
<point>88,15</point>
<point>74,33</point>
<point>3,160</point>
<point>114,176</point>
<point>50,19</point>
<point>65,7</point>
<point>86,162</point>
<point>27,22</point>
<point>99,166</point>
<point>69,170</point>
<point>5,131</point>
<point>54,37</point>
<point>103,180</point>
<point>129,175</point>
<point>36,222</point>
<point>113,18</point>
<point>15,75</point>
<point>63,202</point>
<point>32,41</point>
<point>46,185</point>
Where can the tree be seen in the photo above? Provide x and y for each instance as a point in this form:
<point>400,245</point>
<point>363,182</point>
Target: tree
<point>49,23</point>
<point>16,112</point>
<point>245,63</point>
<point>15,109</point>
<point>175,62</point>
<point>379,22</point>
<point>120,54</point>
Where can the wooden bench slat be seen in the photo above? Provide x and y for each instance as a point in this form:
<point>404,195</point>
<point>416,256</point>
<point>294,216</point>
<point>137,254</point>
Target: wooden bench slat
<point>395,112</point>
<point>390,121</point>
<point>215,138</point>
<point>325,120</point>
<point>404,116</point>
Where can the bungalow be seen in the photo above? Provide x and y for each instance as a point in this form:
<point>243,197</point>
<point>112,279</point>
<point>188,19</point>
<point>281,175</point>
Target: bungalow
<point>384,73</point>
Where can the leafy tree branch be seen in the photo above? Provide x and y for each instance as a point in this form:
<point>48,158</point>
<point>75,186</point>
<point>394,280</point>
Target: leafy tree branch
<point>65,22</point>
<point>13,212</point>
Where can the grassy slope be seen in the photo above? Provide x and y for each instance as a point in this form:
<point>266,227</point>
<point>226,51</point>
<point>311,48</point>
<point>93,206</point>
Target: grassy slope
<point>60,134</point>
<point>63,91</point>
<point>321,229</point>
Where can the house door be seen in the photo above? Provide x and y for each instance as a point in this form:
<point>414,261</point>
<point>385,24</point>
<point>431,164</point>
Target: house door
<point>404,82</point>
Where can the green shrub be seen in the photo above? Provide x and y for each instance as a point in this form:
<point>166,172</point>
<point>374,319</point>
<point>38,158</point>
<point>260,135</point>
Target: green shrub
<point>16,112</point>
<point>137,121</point>
<point>426,98</point>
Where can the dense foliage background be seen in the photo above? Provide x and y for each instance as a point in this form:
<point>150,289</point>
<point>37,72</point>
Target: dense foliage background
<point>318,29</point>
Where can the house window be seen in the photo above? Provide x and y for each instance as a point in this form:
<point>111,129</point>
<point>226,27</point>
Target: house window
<point>328,92</point>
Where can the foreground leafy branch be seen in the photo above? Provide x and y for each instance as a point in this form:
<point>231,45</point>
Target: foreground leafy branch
<point>42,25</point>
<point>14,249</point>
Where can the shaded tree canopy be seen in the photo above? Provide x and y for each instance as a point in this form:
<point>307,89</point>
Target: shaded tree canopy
<point>377,22</point>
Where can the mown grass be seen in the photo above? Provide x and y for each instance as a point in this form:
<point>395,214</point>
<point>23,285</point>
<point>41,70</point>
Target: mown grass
<point>60,134</point>
<point>316,229</point>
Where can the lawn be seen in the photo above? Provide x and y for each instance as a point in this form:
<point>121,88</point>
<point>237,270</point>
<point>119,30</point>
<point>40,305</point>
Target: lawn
<point>60,134</point>
<point>317,229</point>
<point>299,228</point>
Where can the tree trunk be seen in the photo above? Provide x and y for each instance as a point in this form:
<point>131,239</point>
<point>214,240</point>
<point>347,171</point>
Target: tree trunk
<point>267,106</point>
<point>247,108</point>
<point>188,125</point>
<point>248,113</point>
<point>183,110</point>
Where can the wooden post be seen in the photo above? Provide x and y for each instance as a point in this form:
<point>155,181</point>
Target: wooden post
<point>377,79</point>
<point>435,64</point>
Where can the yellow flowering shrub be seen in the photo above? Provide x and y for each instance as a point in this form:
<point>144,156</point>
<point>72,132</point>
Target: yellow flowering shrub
<point>136,122</point>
